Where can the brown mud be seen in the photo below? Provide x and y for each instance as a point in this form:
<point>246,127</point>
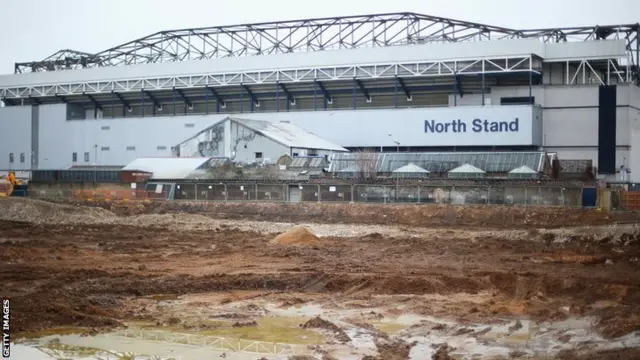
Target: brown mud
<point>494,216</point>
<point>88,277</point>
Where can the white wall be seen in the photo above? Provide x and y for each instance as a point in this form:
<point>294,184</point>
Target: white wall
<point>60,138</point>
<point>15,137</point>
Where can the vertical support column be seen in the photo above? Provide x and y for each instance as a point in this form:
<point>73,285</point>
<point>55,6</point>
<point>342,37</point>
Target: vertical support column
<point>395,92</point>
<point>530,80</point>
<point>278,96</point>
<point>483,83</point>
<point>241,98</point>
<point>319,197</point>
<point>142,102</point>
<point>315,93</point>
<point>455,89</point>
<point>35,137</point>
<point>355,93</point>
<point>173,100</point>
<point>607,113</point>
<point>206,101</point>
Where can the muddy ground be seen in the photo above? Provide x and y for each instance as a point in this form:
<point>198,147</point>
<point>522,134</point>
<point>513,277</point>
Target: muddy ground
<point>97,277</point>
<point>471,216</point>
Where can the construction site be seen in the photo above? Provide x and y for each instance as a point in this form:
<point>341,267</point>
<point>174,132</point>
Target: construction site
<point>276,281</point>
<point>367,187</point>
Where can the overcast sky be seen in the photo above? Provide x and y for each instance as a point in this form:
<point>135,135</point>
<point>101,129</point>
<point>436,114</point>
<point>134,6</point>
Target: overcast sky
<point>35,29</point>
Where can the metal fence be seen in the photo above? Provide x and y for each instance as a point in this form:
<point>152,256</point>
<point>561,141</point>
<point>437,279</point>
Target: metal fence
<point>360,193</point>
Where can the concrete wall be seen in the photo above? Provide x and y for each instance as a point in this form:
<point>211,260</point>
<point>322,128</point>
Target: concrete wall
<point>15,137</point>
<point>112,142</point>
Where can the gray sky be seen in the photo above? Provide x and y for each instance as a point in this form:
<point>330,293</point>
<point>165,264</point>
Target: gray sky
<point>35,29</point>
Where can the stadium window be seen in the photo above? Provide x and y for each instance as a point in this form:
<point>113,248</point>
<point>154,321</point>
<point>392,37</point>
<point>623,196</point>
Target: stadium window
<point>258,155</point>
<point>518,100</point>
<point>10,158</point>
<point>161,147</point>
<point>74,157</point>
<point>104,148</point>
<point>106,127</point>
<point>131,148</point>
<point>86,157</point>
<point>22,158</point>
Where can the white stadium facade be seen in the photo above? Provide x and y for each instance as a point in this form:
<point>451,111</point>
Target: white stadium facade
<point>400,82</point>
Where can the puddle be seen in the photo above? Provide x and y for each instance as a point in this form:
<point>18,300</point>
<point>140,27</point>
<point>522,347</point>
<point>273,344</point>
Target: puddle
<point>306,310</point>
<point>270,329</point>
<point>276,334</point>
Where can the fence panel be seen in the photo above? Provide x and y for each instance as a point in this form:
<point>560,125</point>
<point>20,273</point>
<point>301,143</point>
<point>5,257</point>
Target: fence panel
<point>335,193</point>
<point>185,192</point>
<point>240,192</point>
<point>366,193</point>
<point>308,193</point>
<point>371,193</point>
<point>552,196</point>
<point>271,192</point>
<point>469,195</point>
<point>405,194</point>
<point>210,192</point>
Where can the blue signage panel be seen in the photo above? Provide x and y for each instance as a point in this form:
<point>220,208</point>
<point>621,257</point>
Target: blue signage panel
<point>476,126</point>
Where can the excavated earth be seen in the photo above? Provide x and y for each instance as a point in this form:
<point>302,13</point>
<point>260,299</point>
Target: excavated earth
<point>101,268</point>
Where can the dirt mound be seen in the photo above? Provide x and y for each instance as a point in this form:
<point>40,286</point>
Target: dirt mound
<point>38,211</point>
<point>391,350</point>
<point>299,235</point>
<point>320,323</point>
<point>442,352</point>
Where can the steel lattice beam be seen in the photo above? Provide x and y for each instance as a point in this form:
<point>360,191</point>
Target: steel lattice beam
<point>317,35</point>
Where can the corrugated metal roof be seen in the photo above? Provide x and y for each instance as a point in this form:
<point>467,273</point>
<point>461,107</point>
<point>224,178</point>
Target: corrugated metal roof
<point>289,135</point>
<point>308,162</point>
<point>167,168</point>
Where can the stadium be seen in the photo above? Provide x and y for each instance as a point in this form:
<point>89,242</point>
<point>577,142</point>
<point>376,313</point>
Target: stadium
<point>403,83</point>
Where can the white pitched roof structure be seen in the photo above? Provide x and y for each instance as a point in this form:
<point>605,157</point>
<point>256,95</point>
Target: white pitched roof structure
<point>524,169</point>
<point>284,133</point>
<point>411,168</point>
<point>167,168</point>
<point>466,169</point>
